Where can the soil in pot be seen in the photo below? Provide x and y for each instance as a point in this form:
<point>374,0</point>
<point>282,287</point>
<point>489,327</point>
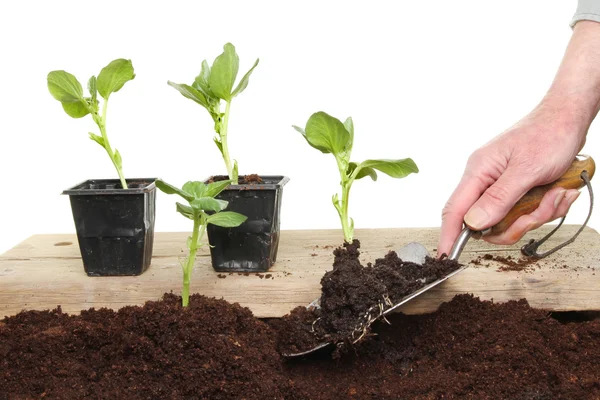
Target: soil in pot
<point>353,294</point>
<point>215,350</point>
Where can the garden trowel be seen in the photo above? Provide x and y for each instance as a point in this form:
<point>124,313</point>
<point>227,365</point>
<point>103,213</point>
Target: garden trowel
<point>577,176</point>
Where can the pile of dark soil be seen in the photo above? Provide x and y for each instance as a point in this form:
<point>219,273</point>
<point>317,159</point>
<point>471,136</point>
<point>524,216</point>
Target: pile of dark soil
<point>352,295</point>
<point>468,349</point>
<point>211,350</point>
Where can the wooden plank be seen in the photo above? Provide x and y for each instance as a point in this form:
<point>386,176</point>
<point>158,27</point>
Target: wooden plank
<point>46,270</point>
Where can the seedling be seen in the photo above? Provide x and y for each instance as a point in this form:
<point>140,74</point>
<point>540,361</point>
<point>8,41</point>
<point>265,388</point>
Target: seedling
<point>329,135</point>
<point>65,88</point>
<point>200,198</point>
<point>209,88</point>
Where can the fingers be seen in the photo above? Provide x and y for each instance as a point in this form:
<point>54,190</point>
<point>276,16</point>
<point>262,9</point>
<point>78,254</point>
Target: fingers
<point>555,204</point>
<point>497,200</point>
<point>466,193</point>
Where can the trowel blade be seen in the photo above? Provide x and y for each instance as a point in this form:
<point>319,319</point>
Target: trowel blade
<point>413,252</point>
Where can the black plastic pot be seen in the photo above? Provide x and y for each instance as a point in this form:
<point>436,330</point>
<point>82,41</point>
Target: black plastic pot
<point>251,247</point>
<point>115,226</point>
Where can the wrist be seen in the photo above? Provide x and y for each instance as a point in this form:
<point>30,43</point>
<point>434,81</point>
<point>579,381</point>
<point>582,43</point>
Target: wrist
<point>568,114</point>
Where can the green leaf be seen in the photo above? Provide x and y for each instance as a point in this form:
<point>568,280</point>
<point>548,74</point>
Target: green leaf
<point>76,110</point>
<point>393,168</point>
<point>64,87</point>
<point>367,171</point>
<point>218,143</point>
<point>349,125</point>
<point>209,204</point>
<point>112,77</point>
<point>195,188</point>
<point>235,171</point>
<point>118,160</point>
<point>321,149</point>
<point>244,82</point>
<point>97,139</point>
<point>223,72</point>
<point>201,82</point>
<point>93,89</point>
<point>226,219</point>
<point>214,188</point>
<point>184,210</point>
<point>170,189</point>
<point>326,133</point>
<point>189,92</point>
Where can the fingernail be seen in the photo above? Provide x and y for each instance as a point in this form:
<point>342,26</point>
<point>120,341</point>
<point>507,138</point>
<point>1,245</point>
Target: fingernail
<point>571,197</point>
<point>477,218</point>
<point>559,197</point>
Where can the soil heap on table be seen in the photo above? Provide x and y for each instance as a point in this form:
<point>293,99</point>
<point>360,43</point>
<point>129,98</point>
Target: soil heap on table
<point>468,349</point>
<point>352,295</point>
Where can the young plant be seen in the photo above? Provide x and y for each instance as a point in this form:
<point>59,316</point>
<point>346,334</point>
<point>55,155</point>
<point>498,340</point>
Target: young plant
<point>214,84</point>
<point>65,88</point>
<point>200,198</point>
<point>329,135</point>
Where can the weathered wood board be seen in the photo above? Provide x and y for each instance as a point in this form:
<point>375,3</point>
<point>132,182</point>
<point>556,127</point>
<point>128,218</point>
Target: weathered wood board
<point>46,270</point>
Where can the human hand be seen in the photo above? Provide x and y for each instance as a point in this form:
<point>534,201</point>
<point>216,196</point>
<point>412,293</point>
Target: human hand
<point>536,151</point>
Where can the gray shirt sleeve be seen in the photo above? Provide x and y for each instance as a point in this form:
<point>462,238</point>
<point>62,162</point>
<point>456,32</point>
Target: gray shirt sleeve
<point>587,10</point>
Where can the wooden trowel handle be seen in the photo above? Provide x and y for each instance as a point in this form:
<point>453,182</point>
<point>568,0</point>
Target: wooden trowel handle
<point>530,202</point>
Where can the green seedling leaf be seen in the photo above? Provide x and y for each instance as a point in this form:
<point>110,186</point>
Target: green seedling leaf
<point>201,82</point>
<point>321,149</point>
<point>118,160</point>
<point>393,168</point>
<point>214,188</point>
<point>209,204</point>
<point>362,172</point>
<point>367,171</point>
<point>195,188</point>
<point>112,77</point>
<point>186,211</point>
<point>96,138</point>
<point>223,72</point>
<point>93,89</point>
<point>235,171</point>
<point>64,87</point>
<point>219,144</point>
<point>78,109</point>
<point>226,219</point>
<point>349,125</point>
<point>326,133</point>
<point>244,82</point>
<point>191,93</point>
<point>170,189</point>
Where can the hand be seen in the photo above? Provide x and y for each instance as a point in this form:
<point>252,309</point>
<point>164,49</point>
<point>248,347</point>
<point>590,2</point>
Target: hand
<point>536,151</point>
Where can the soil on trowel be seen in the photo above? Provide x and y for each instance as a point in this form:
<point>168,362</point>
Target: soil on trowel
<point>353,295</point>
<point>468,349</point>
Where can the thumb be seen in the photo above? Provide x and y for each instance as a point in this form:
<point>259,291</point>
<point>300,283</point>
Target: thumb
<point>495,203</point>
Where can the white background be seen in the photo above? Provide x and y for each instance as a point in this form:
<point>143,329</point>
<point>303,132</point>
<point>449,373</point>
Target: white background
<point>431,80</point>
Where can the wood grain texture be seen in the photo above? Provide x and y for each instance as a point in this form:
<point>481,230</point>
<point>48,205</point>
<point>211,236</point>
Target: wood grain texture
<point>46,270</point>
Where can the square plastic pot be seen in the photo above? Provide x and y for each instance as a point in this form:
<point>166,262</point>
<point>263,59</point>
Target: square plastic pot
<point>251,247</point>
<point>115,226</point>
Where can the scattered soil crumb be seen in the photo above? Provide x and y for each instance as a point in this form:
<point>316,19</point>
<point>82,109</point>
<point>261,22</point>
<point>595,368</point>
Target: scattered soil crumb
<point>314,255</point>
<point>267,276</point>
<point>222,276</point>
<point>261,276</point>
<point>508,263</point>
